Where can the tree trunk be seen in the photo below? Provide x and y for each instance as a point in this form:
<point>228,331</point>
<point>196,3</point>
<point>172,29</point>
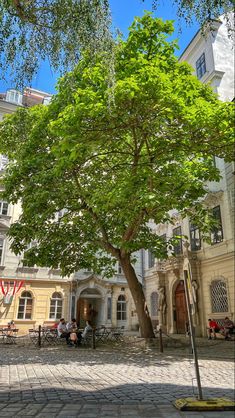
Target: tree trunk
<point>146,328</point>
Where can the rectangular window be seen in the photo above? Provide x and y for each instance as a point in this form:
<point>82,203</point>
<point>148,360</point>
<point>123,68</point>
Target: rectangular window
<point>109,308</point>
<point>195,238</point>
<point>3,162</point>
<point>217,231</point>
<point>3,208</point>
<point>73,303</point>
<point>25,308</point>
<point>201,66</point>
<point>119,268</point>
<point>178,245</point>
<point>1,250</point>
<point>151,259</point>
<point>56,309</point>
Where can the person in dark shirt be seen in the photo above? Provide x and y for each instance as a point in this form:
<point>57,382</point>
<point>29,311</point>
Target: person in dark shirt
<point>227,328</point>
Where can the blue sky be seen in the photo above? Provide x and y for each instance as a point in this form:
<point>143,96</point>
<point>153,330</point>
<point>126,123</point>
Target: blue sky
<point>123,13</point>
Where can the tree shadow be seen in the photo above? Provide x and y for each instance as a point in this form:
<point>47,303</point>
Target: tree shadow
<point>134,393</point>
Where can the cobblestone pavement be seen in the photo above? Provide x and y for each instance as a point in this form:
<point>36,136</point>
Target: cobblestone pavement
<point>110,381</point>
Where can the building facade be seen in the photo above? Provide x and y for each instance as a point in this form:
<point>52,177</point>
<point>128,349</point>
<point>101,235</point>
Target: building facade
<point>212,57</point>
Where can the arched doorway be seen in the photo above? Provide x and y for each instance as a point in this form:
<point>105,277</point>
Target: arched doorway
<point>89,306</point>
<point>180,308</point>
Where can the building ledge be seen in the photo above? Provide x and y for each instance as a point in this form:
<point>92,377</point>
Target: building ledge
<point>55,272</point>
<point>28,270</point>
<point>214,74</point>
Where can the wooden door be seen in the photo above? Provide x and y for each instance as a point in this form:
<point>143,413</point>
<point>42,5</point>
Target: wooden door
<point>181,309</point>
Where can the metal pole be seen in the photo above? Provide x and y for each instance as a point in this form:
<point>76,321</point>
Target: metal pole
<point>192,335</point>
<point>160,340</point>
<point>93,338</point>
<point>39,336</point>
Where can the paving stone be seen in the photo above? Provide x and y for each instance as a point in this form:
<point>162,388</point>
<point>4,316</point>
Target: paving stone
<point>117,382</point>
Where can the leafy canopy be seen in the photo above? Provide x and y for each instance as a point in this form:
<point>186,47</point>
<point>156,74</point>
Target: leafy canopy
<point>114,158</point>
<point>57,30</point>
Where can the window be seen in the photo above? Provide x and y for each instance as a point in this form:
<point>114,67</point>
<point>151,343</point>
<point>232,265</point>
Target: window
<point>178,245</point>
<point>121,308</point>
<point>73,304</point>
<point>201,66</point>
<point>3,161</point>
<point>14,96</point>
<point>119,268</point>
<point>25,306</point>
<point>217,231</point>
<point>56,306</point>
<point>3,208</point>
<point>154,304</point>
<point>219,296</point>
<point>109,308</point>
<point>151,259</point>
<point>1,249</point>
<point>195,238</point>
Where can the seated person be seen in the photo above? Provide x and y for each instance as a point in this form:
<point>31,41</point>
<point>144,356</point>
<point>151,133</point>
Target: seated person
<point>213,327</point>
<point>87,328</point>
<point>10,328</point>
<point>72,325</point>
<point>63,332</point>
<point>227,328</point>
<point>75,334</point>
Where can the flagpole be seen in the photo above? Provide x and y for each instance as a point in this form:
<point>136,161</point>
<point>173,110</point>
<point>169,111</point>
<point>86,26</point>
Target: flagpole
<point>192,329</point>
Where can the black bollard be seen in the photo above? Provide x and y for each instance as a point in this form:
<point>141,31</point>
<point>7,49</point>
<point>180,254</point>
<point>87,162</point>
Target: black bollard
<point>39,336</point>
<point>93,338</point>
<point>160,340</point>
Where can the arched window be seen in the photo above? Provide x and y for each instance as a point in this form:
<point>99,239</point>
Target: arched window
<point>121,308</point>
<point>56,306</point>
<point>219,296</point>
<point>25,306</point>
<point>154,304</point>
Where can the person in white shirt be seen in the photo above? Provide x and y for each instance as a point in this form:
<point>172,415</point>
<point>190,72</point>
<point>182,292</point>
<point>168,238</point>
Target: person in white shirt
<point>63,331</point>
<point>87,328</point>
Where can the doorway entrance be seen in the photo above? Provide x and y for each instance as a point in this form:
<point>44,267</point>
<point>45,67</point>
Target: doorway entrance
<point>181,309</point>
<point>89,307</point>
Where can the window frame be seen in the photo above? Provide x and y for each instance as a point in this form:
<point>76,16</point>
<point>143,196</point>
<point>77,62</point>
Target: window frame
<point>25,305</point>
<point>1,249</point>
<point>119,268</point>
<point>154,309</point>
<point>223,295</point>
<point>215,237</point>
<point>121,308</point>
<point>56,309</point>
<point>3,161</point>
<point>109,308</point>
<point>3,204</point>
<point>178,248</point>
<point>151,258</point>
<point>193,229</point>
<point>201,66</point>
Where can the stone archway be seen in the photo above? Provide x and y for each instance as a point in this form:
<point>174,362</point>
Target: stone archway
<point>181,316</point>
<point>90,307</point>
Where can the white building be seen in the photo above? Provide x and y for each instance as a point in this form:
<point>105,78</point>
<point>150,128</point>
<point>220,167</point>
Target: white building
<point>211,55</point>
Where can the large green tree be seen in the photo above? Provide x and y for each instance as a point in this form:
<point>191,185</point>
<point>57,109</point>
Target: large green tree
<point>57,30</point>
<point>114,157</point>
